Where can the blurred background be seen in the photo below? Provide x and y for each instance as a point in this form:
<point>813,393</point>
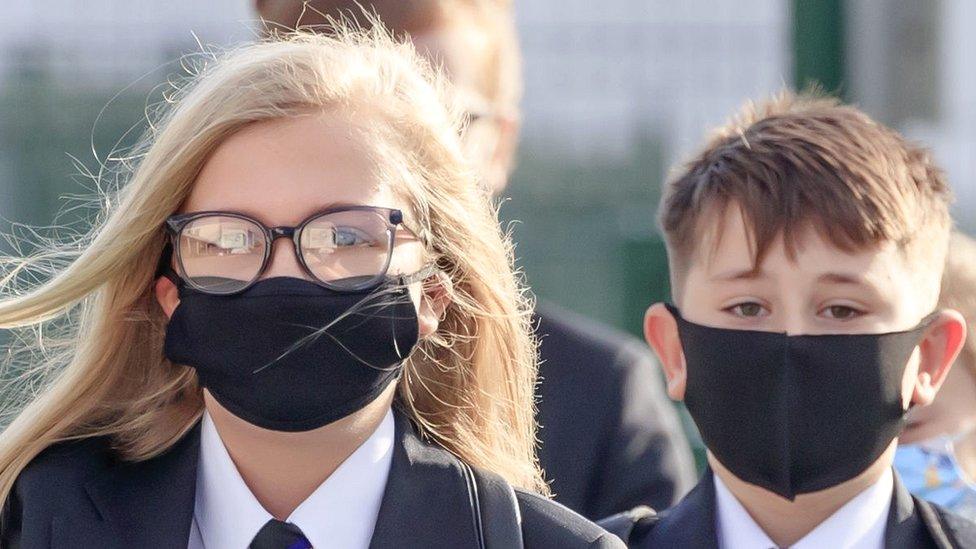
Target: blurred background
<point>617,91</point>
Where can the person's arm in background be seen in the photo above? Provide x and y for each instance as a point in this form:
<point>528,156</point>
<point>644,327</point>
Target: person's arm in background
<point>647,459</point>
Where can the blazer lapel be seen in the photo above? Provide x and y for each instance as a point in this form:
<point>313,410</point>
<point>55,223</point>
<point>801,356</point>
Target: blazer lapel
<point>143,504</point>
<point>907,526</point>
<point>690,523</point>
<point>426,502</point>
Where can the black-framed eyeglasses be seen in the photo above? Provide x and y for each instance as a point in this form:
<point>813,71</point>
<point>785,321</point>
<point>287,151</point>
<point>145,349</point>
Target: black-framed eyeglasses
<point>346,248</point>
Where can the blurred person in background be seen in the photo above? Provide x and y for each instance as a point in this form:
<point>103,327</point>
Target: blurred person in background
<point>937,454</point>
<point>610,439</point>
<point>364,381</point>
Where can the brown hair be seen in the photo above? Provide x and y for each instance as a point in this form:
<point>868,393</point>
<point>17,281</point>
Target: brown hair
<point>500,78</point>
<point>959,290</point>
<point>800,161</point>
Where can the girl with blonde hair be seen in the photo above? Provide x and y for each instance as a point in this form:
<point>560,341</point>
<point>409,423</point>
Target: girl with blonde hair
<point>297,325</point>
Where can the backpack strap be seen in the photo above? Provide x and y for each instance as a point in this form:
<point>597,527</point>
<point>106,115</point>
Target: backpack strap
<point>948,530</point>
<point>494,509</point>
<point>631,525</point>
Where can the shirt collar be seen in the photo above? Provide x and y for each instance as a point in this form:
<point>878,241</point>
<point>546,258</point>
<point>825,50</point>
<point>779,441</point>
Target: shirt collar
<point>341,512</point>
<point>859,524</point>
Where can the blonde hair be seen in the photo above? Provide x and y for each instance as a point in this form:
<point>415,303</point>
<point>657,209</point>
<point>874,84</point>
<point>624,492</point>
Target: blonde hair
<point>959,290</point>
<point>469,387</point>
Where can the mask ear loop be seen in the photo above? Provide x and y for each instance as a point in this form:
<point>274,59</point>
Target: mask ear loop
<point>422,275</point>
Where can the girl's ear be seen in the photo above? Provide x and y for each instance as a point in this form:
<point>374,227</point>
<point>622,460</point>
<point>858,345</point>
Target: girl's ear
<point>167,295</point>
<point>661,332</point>
<point>434,300</point>
<point>941,344</point>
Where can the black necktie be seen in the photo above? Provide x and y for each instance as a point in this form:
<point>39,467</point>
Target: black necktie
<point>280,535</point>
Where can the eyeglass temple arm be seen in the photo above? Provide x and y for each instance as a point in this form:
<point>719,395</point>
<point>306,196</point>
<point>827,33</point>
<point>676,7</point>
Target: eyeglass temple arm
<point>419,276</point>
<point>165,269</point>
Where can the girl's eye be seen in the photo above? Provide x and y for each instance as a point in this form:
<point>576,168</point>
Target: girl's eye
<point>841,312</point>
<point>345,237</point>
<point>747,310</point>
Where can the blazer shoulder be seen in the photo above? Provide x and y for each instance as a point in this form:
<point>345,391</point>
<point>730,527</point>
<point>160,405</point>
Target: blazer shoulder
<point>591,344</point>
<point>53,482</point>
<point>947,527</point>
<point>546,523</point>
<point>66,463</point>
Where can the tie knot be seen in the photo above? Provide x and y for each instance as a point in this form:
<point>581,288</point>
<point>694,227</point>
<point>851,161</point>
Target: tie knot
<point>280,535</point>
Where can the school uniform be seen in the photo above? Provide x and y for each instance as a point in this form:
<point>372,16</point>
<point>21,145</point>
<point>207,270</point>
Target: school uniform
<point>610,438</point>
<point>883,516</point>
<point>341,512</point>
<point>79,495</point>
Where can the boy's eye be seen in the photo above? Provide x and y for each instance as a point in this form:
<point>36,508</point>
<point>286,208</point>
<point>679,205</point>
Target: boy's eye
<point>841,312</point>
<point>748,310</point>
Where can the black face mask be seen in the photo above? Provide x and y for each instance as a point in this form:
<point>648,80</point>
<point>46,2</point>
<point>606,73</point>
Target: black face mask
<point>265,356</point>
<point>795,414</point>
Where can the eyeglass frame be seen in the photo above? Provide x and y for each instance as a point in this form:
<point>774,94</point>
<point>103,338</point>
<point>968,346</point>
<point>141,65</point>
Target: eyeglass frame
<point>393,217</point>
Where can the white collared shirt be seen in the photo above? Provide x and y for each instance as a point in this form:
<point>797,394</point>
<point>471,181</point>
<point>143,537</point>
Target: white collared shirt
<point>341,512</point>
<point>859,524</point>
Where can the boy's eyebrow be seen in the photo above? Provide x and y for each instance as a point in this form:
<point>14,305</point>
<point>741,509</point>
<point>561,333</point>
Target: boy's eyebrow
<point>752,274</point>
<point>740,274</point>
<point>842,278</point>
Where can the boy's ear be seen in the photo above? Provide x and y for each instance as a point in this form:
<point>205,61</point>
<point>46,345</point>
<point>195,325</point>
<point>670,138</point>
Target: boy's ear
<point>938,349</point>
<point>661,332</point>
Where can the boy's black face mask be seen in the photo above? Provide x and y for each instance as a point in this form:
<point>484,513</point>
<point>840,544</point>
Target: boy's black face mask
<point>265,356</point>
<point>795,414</point>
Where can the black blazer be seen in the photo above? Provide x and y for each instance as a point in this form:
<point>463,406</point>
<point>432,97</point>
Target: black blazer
<point>610,437</point>
<point>77,495</point>
<point>911,524</point>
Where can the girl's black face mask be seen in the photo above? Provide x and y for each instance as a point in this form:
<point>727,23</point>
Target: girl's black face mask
<point>795,414</point>
<point>290,355</point>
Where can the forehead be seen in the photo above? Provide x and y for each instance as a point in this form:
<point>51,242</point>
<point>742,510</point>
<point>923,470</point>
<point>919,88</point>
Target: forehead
<point>727,249</point>
<point>282,170</point>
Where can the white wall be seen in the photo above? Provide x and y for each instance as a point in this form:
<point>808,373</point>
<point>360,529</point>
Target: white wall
<point>599,73</point>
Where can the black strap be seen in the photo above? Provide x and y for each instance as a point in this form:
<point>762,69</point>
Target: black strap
<point>631,525</point>
<point>494,510</point>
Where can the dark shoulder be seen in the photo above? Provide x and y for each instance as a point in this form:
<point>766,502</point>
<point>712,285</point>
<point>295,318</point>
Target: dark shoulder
<point>65,465</point>
<point>592,344</point>
<point>53,483</point>
<point>948,527</point>
<point>546,524</point>
<point>57,476</point>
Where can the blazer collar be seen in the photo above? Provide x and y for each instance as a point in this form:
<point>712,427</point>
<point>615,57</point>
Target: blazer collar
<point>142,504</point>
<point>150,503</point>
<point>691,523</point>
<point>912,526</point>
<point>426,502</point>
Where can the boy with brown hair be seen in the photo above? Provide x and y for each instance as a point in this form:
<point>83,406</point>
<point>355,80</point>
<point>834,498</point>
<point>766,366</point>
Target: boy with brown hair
<point>806,244</point>
<point>609,437</point>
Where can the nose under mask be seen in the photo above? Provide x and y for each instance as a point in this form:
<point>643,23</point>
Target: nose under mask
<point>289,355</point>
<point>795,414</point>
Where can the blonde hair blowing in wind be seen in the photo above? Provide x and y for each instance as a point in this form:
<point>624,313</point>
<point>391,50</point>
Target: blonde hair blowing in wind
<point>469,387</point>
